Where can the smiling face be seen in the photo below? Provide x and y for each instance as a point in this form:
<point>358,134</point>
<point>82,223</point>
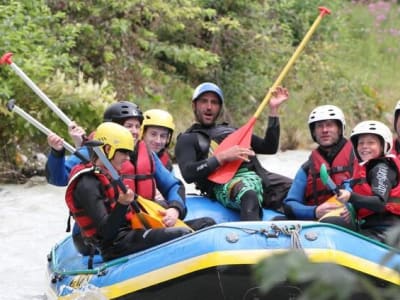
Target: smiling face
<point>207,108</point>
<point>327,133</point>
<point>156,138</point>
<point>369,146</point>
<point>133,125</point>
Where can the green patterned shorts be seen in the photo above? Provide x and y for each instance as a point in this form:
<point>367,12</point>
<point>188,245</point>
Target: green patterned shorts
<point>229,194</point>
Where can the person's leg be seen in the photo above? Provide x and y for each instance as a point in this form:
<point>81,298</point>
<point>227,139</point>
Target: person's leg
<point>200,223</point>
<point>249,207</point>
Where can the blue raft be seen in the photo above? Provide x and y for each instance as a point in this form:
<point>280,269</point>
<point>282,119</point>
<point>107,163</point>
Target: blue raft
<point>215,262</point>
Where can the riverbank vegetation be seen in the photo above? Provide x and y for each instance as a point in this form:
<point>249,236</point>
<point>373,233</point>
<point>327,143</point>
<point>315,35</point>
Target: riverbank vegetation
<point>85,55</point>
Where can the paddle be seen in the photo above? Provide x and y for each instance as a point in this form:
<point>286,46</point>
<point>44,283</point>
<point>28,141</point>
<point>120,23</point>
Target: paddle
<point>242,136</point>
<point>6,59</point>
<point>153,208</point>
<point>331,185</point>
<point>144,219</point>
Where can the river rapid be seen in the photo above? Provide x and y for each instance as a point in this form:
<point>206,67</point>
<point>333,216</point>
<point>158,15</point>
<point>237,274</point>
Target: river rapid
<point>34,218</point>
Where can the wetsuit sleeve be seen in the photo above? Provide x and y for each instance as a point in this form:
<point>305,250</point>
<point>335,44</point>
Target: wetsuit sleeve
<point>88,195</point>
<point>381,179</point>
<point>187,152</point>
<point>58,167</point>
<point>170,187</point>
<point>294,204</point>
<point>270,143</point>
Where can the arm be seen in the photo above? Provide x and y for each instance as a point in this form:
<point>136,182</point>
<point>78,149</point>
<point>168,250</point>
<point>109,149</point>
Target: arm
<point>89,197</point>
<point>270,143</point>
<point>58,168</point>
<point>170,187</point>
<point>381,187</point>
<point>295,203</point>
<point>186,153</point>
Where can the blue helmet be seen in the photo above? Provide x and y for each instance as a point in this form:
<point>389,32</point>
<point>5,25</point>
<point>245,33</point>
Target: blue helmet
<point>208,87</point>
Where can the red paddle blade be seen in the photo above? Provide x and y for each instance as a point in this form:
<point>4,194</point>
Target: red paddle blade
<point>241,137</point>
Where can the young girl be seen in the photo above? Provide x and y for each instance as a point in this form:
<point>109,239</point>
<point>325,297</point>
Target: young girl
<point>376,188</point>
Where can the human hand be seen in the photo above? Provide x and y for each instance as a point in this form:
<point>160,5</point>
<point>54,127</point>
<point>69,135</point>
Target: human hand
<point>76,133</point>
<point>344,196</point>
<point>234,153</point>
<point>55,142</point>
<point>126,198</point>
<point>279,95</point>
<point>170,216</point>
<point>325,208</point>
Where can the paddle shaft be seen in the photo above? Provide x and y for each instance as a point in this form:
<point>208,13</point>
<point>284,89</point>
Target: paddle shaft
<point>323,11</point>
<point>117,179</point>
<point>6,58</point>
<point>14,108</point>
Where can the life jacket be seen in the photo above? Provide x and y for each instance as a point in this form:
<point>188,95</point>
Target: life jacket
<point>165,159</point>
<point>362,187</point>
<point>340,169</point>
<point>138,173</point>
<point>88,229</point>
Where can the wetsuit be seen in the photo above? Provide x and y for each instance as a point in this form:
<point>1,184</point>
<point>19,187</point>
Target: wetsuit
<point>195,164</point>
<point>372,194</point>
<point>114,237</point>
<point>297,205</point>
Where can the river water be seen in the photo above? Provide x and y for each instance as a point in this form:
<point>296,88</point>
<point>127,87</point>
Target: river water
<point>34,218</point>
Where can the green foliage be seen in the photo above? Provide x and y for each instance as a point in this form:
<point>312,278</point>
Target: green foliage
<point>154,53</point>
<point>318,280</point>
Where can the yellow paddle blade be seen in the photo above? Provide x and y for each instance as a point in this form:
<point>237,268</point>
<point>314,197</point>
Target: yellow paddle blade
<point>154,209</point>
<point>334,200</point>
<point>139,219</point>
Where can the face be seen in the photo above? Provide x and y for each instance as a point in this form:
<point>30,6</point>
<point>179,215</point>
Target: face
<point>133,125</point>
<point>120,156</point>
<point>207,108</point>
<point>156,138</point>
<point>369,146</point>
<point>327,133</point>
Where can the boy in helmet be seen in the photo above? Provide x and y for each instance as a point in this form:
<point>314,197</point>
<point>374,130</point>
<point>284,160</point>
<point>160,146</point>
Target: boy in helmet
<point>156,131</point>
<point>307,197</point>
<point>252,186</point>
<point>100,209</point>
<point>375,182</point>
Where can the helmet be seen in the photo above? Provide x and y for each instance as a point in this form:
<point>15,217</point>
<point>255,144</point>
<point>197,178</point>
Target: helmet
<point>120,111</point>
<point>115,135</point>
<point>325,112</point>
<point>396,114</point>
<point>208,87</point>
<point>373,127</point>
<point>158,117</point>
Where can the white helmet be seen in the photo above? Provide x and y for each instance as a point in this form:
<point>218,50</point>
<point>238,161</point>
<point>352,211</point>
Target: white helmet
<point>396,114</point>
<point>373,127</point>
<point>325,112</point>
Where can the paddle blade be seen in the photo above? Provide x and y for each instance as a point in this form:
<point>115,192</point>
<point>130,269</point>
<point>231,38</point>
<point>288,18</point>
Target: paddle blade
<point>142,220</point>
<point>327,180</point>
<point>240,137</point>
<point>153,209</point>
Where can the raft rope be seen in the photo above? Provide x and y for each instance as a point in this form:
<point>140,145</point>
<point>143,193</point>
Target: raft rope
<point>293,231</point>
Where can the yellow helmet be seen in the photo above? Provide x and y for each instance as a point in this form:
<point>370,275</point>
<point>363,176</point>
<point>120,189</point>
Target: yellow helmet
<point>160,118</point>
<point>115,135</point>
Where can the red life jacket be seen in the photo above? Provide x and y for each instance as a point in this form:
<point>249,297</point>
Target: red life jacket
<point>363,188</point>
<point>111,193</point>
<point>165,159</point>
<point>138,173</point>
<point>340,169</point>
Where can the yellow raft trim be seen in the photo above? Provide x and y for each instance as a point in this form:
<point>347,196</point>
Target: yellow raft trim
<point>241,257</point>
